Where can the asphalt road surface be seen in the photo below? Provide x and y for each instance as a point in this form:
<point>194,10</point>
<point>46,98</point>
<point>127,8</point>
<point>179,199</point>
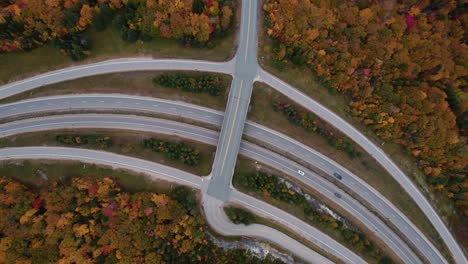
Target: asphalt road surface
<point>113,66</point>
<point>213,211</point>
<point>211,137</point>
<point>242,67</point>
<point>219,221</point>
<point>213,117</point>
<point>377,154</point>
<point>237,105</point>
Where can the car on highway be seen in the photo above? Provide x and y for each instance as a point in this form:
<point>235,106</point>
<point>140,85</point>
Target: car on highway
<point>300,172</point>
<point>338,195</point>
<point>337,175</point>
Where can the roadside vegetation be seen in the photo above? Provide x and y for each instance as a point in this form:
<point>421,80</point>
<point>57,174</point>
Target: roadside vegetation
<point>273,189</point>
<point>190,156</point>
<point>101,141</point>
<point>402,78</point>
<point>311,123</point>
<point>146,83</point>
<point>363,165</point>
<point>86,219</point>
<point>212,85</point>
<point>105,29</point>
<point>239,216</point>
<point>173,150</point>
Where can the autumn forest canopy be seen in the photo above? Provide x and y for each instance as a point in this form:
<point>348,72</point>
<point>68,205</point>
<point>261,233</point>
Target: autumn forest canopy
<point>403,66</point>
<point>28,24</point>
<point>94,221</point>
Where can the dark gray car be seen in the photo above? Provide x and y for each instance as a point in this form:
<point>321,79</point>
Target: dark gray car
<point>337,175</point>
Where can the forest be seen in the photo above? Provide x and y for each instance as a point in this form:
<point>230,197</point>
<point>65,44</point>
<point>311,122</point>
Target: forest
<point>28,24</point>
<point>401,64</point>
<point>91,220</point>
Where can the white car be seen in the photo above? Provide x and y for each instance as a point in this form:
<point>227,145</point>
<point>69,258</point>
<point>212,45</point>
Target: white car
<point>300,172</point>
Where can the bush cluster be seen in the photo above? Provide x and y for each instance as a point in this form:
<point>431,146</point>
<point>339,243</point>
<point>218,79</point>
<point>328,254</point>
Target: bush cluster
<point>174,150</point>
<point>75,45</point>
<point>100,140</point>
<point>195,84</point>
<point>239,216</point>
<point>309,122</point>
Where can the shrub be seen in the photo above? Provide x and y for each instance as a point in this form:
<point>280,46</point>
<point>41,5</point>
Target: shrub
<point>239,216</point>
<point>173,150</point>
<point>212,85</point>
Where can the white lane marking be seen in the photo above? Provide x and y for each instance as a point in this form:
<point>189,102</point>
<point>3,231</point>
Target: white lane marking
<point>248,32</point>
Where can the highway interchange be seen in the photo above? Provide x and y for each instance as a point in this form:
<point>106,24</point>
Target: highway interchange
<point>154,106</point>
<point>217,189</point>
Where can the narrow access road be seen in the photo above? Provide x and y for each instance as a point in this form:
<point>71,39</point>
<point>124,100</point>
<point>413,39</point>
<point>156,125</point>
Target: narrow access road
<point>220,221</point>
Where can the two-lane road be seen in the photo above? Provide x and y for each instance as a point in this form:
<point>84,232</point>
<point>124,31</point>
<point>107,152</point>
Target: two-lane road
<point>237,105</point>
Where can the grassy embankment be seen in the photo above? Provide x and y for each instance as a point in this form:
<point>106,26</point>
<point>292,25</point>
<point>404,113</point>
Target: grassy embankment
<point>241,216</point>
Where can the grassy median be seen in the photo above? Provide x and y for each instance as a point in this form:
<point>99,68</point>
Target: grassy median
<point>127,143</point>
<point>133,83</point>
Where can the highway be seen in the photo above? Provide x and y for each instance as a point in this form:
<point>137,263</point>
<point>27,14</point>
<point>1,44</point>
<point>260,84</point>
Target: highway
<point>237,105</point>
<point>207,136</point>
<point>228,67</point>
<point>213,212</point>
<point>245,70</point>
<point>122,65</point>
<point>375,152</point>
<point>213,117</point>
